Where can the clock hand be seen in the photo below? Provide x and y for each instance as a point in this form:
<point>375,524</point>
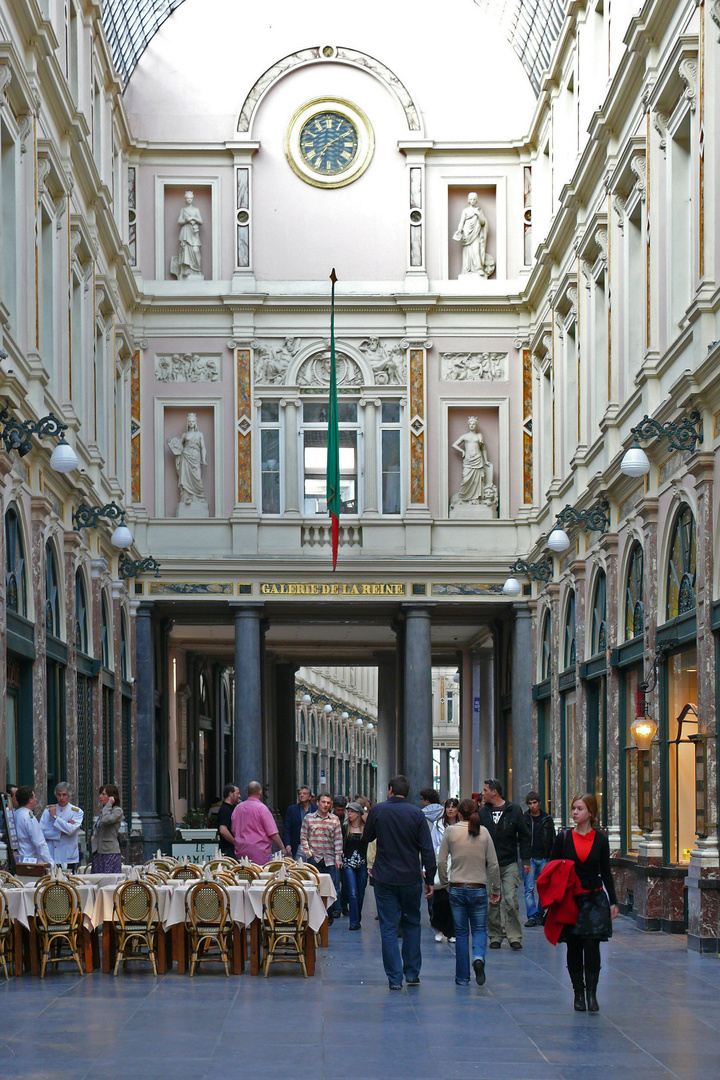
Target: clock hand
<point>328,145</point>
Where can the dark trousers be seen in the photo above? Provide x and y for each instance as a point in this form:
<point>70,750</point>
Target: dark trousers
<point>583,958</point>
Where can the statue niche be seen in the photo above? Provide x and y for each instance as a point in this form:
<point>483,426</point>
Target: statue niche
<point>478,496</point>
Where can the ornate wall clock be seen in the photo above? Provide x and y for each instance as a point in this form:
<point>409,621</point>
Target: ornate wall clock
<point>329,142</point>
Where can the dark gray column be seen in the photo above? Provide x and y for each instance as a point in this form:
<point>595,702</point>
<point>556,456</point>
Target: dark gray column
<point>387,723</point>
<point>523,742</point>
<point>145,727</point>
<point>247,728</point>
<point>418,699</point>
<point>483,662</point>
<point>285,744</point>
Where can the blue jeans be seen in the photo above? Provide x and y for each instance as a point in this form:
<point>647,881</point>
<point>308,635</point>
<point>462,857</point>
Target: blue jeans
<point>469,908</point>
<point>332,870</point>
<point>398,907</point>
<point>532,907</point>
<point>354,880</point>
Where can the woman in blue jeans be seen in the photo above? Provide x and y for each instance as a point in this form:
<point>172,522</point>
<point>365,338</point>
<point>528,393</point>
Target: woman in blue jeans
<point>354,868</point>
<point>473,871</point>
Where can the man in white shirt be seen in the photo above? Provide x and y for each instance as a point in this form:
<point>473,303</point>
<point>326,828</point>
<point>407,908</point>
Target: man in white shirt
<point>32,846</point>
<point>61,826</point>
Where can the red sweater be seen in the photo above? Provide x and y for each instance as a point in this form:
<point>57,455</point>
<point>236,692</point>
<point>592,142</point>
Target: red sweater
<point>557,887</point>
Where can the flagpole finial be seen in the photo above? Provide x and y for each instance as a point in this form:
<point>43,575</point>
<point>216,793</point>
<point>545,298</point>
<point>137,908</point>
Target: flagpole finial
<point>333,275</point>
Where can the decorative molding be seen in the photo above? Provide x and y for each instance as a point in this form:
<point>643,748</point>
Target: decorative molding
<point>688,72</point>
<point>24,129</point>
<point>416,343</point>
<point>638,166</point>
<point>60,208</point>
<point>5,78</point>
<point>315,371</point>
<point>473,367</point>
<point>43,171</point>
<point>572,295</point>
<point>387,360</point>
<point>660,122</point>
<point>715,14</point>
<point>318,54</point>
<point>587,273</point>
<point>187,368</point>
<point>618,204</point>
<point>601,239</point>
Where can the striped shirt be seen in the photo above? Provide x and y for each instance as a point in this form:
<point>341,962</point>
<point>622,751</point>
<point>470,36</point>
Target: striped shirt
<point>321,838</point>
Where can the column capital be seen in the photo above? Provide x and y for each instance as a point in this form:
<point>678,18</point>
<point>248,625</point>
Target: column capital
<point>423,607</point>
<point>250,609</point>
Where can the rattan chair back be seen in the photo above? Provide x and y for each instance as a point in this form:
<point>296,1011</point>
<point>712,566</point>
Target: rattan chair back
<point>8,881</point>
<point>186,872</point>
<point>285,918</point>
<point>58,918</point>
<point>245,873</point>
<point>5,932</point>
<point>207,920</point>
<point>135,917</point>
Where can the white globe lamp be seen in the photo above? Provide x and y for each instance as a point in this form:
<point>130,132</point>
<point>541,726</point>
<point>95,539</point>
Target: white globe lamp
<point>512,587</point>
<point>635,462</point>
<point>122,537</point>
<point>63,458</point>
<point>558,540</point>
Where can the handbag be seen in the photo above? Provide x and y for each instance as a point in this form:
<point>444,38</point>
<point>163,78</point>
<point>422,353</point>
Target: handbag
<point>442,918</point>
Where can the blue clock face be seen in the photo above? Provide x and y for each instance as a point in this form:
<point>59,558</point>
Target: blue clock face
<point>329,143</point>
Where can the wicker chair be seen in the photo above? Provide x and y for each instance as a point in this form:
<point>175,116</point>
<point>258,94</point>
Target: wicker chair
<point>166,865</point>
<point>135,918</point>
<point>305,873</point>
<point>274,866</point>
<point>58,918</point>
<point>225,863</point>
<point>284,921</point>
<point>186,872</point>
<point>224,877</point>
<point>6,935</point>
<point>155,877</point>
<point>245,873</point>
<point>208,923</point>
<point>7,881</point>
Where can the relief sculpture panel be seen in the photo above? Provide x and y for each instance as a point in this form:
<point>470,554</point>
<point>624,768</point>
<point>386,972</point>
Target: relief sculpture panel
<point>473,367</point>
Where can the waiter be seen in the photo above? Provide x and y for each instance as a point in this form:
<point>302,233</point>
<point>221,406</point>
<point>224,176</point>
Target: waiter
<point>32,846</point>
<point>61,827</point>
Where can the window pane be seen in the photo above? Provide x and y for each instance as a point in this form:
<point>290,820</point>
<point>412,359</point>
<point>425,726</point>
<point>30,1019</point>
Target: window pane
<point>269,412</point>
<point>315,412</point>
<point>390,472</point>
<point>391,412</point>
<point>347,412</point>
<point>270,471</point>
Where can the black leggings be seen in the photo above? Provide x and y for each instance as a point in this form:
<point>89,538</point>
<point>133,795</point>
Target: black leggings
<point>583,954</point>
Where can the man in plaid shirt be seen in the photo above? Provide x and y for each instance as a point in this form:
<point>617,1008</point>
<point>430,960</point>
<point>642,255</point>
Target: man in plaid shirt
<point>321,842</point>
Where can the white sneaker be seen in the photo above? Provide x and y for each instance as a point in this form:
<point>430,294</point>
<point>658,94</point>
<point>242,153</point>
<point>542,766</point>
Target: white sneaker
<point>438,937</point>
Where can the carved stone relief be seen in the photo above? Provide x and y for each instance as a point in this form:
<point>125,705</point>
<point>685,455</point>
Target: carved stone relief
<point>316,370</point>
<point>387,360</point>
<point>187,367</point>
<point>272,362</point>
<point>473,367</point>
<point>688,72</point>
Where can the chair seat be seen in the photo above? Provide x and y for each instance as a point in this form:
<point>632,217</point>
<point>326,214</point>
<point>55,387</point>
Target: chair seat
<point>139,928</point>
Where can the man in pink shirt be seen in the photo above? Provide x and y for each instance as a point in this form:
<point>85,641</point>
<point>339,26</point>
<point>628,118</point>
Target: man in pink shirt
<point>254,828</point>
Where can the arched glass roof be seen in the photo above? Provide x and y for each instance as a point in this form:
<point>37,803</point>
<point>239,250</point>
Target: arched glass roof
<point>532,27</point>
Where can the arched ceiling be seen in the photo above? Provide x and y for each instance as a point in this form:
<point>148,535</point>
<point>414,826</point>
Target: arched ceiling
<point>532,27</point>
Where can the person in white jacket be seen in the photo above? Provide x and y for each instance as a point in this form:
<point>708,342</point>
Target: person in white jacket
<point>61,825</point>
<point>32,846</point>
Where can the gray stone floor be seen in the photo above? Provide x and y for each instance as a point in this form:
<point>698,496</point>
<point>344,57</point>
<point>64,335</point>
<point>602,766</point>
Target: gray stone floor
<point>660,1018</point>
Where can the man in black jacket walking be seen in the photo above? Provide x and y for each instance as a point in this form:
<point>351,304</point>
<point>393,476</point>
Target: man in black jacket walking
<point>506,824</point>
<point>403,841</point>
<point>542,834</point>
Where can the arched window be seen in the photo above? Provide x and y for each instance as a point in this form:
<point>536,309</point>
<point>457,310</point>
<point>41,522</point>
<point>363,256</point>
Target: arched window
<point>634,611</point>
<point>598,629</point>
<point>105,634</point>
<point>681,565</point>
<point>347,742</point>
<point>303,728</point>
<point>546,653</point>
<point>313,730</point>
<point>16,592</point>
<point>331,740</point>
<point>124,658</point>
<point>569,650</point>
<point>81,619</point>
<point>52,593</point>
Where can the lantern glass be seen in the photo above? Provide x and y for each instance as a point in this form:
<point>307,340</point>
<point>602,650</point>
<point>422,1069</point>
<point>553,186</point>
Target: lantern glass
<point>643,730</point>
<point>558,540</point>
<point>635,462</point>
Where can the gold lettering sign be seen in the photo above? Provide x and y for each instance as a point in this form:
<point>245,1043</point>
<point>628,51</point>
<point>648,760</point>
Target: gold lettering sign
<point>331,588</point>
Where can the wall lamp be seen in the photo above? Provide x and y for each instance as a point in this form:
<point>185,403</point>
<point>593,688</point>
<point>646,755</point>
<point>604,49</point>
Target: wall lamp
<point>86,517</point>
<point>643,728</point>
<point>132,567</point>
<point>596,519</point>
<point>681,436</point>
<point>17,436</point>
<point>539,571</point>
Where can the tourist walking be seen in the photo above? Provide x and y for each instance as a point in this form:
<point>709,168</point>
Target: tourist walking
<point>403,844</point>
<point>354,867</point>
<point>225,838</point>
<point>255,829</point>
<point>106,857</point>
<point>294,817</point>
<point>542,835</point>
<point>474,869</point>
<point>589,850</point>
<point>441,918</point>
<point>506,824</point>
<point>321,841</point>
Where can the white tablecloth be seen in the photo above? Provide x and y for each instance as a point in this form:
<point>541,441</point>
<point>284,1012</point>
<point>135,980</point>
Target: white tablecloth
<point>21,903</point>
<point>327,889</point>
<point>316,908</point>
<point>171,903</point>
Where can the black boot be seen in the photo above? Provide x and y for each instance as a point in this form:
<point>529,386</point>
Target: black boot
<point>579,1001</point>
<point>592,1001</point>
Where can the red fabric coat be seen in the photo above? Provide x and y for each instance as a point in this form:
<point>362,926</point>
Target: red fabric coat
<point>557,887</point>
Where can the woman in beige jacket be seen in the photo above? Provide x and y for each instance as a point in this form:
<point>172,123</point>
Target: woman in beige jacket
<point>473,869</point>
<point>106,857</point>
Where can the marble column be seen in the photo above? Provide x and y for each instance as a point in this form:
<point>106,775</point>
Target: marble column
<point>523,741</point>
<point>284,781</point>
<point>5,469</point>
<point>247,727</point>
<point>387,722</point>
<point>293,506</point>
<point>418,699</point>
<point>370,463</point>
<point>146,786</point>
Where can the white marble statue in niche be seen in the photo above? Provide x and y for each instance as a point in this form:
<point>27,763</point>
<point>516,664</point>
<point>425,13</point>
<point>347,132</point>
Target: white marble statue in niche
<point>190,459</point>
<point>477,497</point>
<point>187,367</point>
<point>271,364</point>
<point>188,263</point>
<point>387,361</point>
<point>472,233</point>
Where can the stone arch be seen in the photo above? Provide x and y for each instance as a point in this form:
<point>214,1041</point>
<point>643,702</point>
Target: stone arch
<point>329,54</point>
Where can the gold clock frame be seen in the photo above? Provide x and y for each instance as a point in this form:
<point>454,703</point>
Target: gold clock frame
<point>352,113</point>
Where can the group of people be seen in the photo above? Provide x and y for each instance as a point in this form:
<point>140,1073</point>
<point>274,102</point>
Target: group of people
<point>55,838</point>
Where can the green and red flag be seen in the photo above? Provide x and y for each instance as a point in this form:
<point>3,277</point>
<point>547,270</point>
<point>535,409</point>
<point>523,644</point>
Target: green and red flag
<point>333,439</point>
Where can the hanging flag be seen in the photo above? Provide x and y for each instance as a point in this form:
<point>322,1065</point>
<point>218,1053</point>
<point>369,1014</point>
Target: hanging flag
<point>333,439</point>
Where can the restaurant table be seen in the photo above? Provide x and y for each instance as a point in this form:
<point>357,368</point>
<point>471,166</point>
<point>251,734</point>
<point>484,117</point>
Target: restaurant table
<point>21,909</point>
<point>317,919</point>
